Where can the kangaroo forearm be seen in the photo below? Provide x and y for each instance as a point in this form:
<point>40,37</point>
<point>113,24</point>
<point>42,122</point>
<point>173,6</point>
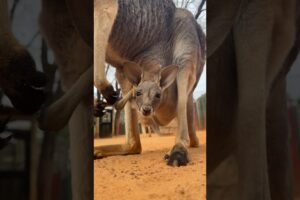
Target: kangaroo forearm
<point>104,16</point>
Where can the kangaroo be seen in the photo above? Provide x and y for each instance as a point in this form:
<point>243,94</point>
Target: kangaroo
<point>251,47</point>
<point>161,56</point>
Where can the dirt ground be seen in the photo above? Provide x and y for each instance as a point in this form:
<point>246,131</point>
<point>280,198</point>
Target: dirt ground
<point>146,176</point>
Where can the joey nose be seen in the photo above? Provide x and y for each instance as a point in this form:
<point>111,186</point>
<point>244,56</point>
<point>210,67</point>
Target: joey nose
<point>146,110</point>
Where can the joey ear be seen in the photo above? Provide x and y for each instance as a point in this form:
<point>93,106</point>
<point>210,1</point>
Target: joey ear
<point>133,72</point>
<point>168,75</point>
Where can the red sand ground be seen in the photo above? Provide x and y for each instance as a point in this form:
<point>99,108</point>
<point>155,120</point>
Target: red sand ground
<point>146,176</point>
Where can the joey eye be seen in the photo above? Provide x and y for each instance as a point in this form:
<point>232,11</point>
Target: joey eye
<point>138,93</point>
<point>157,95</point>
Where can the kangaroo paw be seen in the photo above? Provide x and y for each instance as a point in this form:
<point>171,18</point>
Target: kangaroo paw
<point>178,156</point>
<point>110,95</point>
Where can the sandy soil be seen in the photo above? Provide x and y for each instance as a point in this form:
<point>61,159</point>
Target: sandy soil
<point>146,176</point>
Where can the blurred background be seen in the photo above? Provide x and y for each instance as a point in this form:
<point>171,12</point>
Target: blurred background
<point>293,94</point>
<point>34,165</point>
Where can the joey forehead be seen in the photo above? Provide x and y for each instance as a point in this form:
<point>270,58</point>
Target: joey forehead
<point>148,86</point>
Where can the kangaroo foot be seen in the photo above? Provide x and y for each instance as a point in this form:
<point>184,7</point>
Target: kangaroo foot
<point>118,149</point>
<point>194,142</point>
<point>178,156</point>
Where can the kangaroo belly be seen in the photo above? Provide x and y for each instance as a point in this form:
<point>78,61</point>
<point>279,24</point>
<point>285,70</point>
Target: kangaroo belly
<point>140,24</point>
